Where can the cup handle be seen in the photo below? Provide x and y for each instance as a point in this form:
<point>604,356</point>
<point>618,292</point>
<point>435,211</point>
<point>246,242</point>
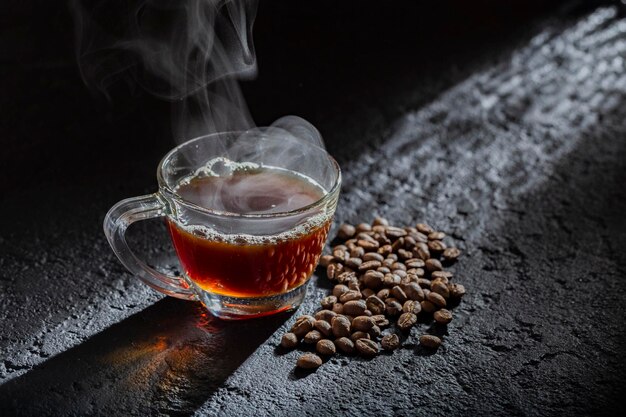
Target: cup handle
<point>117,220</point>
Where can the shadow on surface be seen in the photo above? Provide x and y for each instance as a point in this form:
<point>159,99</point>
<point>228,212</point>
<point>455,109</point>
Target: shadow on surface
<point>174,346</point>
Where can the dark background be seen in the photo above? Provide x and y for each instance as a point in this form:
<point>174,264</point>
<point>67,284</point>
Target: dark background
<point>501,123</point>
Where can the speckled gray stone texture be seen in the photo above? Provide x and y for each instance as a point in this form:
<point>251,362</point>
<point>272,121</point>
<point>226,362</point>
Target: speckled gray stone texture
<point>508,136</point>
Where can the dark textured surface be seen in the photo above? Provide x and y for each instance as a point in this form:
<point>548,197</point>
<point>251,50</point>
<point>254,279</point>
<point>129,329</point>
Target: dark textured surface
<point>504,127</point>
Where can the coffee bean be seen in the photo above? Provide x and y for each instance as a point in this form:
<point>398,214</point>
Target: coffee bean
<point>420,237</point>
<point>374,332</point>
<point>419,272</point>
<point>363,227</point>
<point>397,245</point>
<point>424,228</point>
<point>430,341</point>
<point>391,279</point>
<point>349,296</point>
<point>312,337</point>
<point>345,277</point>
<point>303,325</point>
<point>325,260</point>
<point>325,315</point>
<point>368,313</point>
<point>384,270</point>
<point>338,308</point>
<point>340,255</point>
<point>433,265</point>
<point>440,288</point>
<point>443,316</point>
<point>399,272</point>
<point>362,323</point>
<point>323,327</point>
<point>383,294</point>
<point>380,320</point>
<point>340,247</point>
<point>380,221</point>
<point>341,326</point>
<point>398,293</point>
<point>393,307</point>
<point>381,239</point>
<point>373,256</point>
<point>427,306</point>
<point>436,299</point>
<point>309,361</point>
<point>385,250</point>
<point>380,229</point>
<point>456,290</point>
<point>359,335</point>
<point>441,274</point>
<point>414,263</point>
<point>406,321</point>
<point>327,302</point>
<point>354,285</point>
<point>373,279</point>
<point>354,263</point>
<point>412,306</point>
<point>436,236</point>
<point>390,342</point>
<point>368,245</point>
<point>340,289</point>
<point>413,291</point>
<point>367,292</point>
<point>354,307</point>
<point>424,283</point>
<point>325,347</point>
<point>421,251</point>
<point>440,280</point>
<point>395,232</point>
<point>398,265</point>
<point>365,266</point>
<point>392,256</point>
<point>436,246</point>
<point>451,254</point>
<point>357,252</point>
<point>367,347</point>
<point>345,345</point>
<point>368,236</point>
<point>289,340</point>
<point>375,305</point>
<point>387,263</point>
<point>346,231</point>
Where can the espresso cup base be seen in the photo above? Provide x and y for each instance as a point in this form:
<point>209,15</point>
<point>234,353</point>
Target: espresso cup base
<point>236,308</point>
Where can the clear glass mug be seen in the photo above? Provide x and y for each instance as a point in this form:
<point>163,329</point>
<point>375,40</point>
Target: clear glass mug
<point>266,246</point>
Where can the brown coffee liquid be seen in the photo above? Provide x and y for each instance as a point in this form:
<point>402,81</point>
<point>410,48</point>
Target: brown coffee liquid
<point>249,265</point>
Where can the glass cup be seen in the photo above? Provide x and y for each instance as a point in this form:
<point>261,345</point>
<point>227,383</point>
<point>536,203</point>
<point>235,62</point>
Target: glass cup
<point>241,265</point>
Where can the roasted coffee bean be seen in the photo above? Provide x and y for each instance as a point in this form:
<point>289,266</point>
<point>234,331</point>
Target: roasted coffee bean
<point>350,318</point>
<point>340,255</point>
<point>436,246</point>
<point>440,280</point>
<point>367,292</point>
<point>443,316</point>
<point>341,326</point>
<point>421,251</point>
<point>440,288</point>
<point>384,270</point>
<point>325,347</point>
<point>427,306</point>
<point>289,341</point>
<point>325,260</point>
<point>373,256</point>
<point>441,274</point>
<point>451,254</point>
<point>359,335</point>
<point>381,239</point>
<point>338,308</point>
<point>367,347</point>
<point>388,263</point>
<point>424,228</point>
<point>406,321</point>
<point>433,265</point>
<point>331,270</point>
<point>309,361</point>
<point>345,277</point>
<point>420,237</point>
<point>383,294</point>
<point>354,263</point>
<point>375,305</point>
<point>345,345</point>
<point>325,315</point>
<point>340,247</point>
<point>413,291</point>
<point>390,342</point>
<point>373,279</point>
<point>456,290</point>
<point>303,325</point>
<point>395,232</point>
<point>409,242</point>
<point>426,292</point>
<point>436,236</point>
<point>378,229</point>
<point>430,341</point>
<point>365,266</point>
<point>357,252</point>
<point>385,250</point>
<point>349,296</point>
<point>362,323</point>
<point>368,313</point>
<point>354,307</point>
<point>351,245</point>
<point>391,279</point>
<point>412,306</point>
<point>380,320</point>
<point>398,294</point>
<point>327,302</point>
<point>380,221</point>
<point>368,245</point>
<point>312,337</point>
<point>393,307</point>
<point>398,265</point>
<point>369,236</point>
<point>374,332</point>
<point>392,256</point>
<point>363,227</point>
<point>340,289</point>
<point>354,285</point>
<point>399,272</point>
<point>419,272</point>
<point>436,299</point>
<point>323,327</point>
<point>414,263</point>
<point>404,254</point>
<point>423,282</point>
<point>346,231</point>
<point>397,245</point>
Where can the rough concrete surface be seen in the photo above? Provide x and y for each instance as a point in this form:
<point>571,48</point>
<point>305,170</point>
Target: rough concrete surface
<point>505,127</point>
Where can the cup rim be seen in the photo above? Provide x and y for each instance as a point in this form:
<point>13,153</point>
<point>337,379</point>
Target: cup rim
<point>172,194</point>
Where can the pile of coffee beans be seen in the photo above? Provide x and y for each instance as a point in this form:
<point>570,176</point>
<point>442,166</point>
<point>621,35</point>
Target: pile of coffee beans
<point>386,278</point>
